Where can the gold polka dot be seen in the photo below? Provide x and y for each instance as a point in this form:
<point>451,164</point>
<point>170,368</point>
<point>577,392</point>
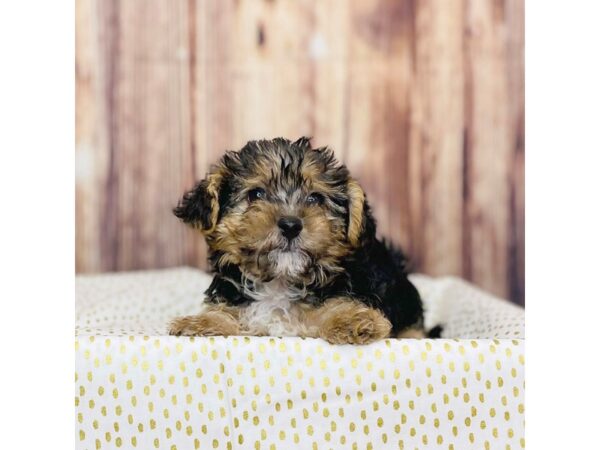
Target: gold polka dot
<point>450,374</point>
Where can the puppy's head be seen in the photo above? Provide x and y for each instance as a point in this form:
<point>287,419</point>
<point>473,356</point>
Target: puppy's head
<point>279,209</point>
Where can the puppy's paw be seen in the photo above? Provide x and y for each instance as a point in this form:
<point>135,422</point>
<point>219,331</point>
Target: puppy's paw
<point>209,323</point>
<point>352,322</point>
<point>185,326</point>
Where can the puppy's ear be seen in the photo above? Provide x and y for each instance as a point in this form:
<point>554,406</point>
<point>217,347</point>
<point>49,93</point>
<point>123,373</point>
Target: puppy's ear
<point>356,212</point>
<point>200,206</point>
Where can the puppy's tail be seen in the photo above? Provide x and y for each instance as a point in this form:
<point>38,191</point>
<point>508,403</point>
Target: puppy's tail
<point>435,332</point>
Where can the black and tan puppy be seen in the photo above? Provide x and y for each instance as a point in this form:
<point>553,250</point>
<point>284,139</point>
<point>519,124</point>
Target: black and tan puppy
<point>292,243</point>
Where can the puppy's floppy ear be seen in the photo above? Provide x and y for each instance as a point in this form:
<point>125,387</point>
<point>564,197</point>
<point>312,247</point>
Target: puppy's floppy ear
<point>200,206</point>
<point>356,212</point>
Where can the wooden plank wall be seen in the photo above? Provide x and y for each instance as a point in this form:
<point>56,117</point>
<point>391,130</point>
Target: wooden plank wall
<point>423,100</point>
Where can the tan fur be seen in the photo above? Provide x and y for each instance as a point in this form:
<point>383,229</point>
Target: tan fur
<point>263,167</point>
<point>346,321</point>
<point>357,202</point>
<point>215,320</point>
<point>411,333</point>
<point>245,239</point>
<point>256,233</point>
<point>310,170</point>
<point>214,181</point>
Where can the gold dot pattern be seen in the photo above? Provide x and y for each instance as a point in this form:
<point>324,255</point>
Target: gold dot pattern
<point>137,389</point>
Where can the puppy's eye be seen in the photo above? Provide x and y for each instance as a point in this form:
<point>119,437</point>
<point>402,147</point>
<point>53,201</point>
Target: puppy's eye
<point>256,194</point>
<point>314,199</point>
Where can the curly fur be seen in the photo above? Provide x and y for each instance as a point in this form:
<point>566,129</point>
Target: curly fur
<point>335,280</point>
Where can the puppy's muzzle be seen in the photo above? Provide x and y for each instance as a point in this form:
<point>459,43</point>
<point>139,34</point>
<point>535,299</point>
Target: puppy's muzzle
<point>290,227</point>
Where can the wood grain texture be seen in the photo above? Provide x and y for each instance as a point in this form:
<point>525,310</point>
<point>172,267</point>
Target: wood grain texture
<point>423,100</point>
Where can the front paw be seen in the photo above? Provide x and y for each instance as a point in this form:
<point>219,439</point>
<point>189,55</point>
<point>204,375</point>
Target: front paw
<point>354,323</point>
<point>212,323</point>
<point>184,326</point>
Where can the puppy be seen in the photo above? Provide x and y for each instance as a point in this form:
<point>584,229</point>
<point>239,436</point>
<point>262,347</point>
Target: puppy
<point>292,244</point>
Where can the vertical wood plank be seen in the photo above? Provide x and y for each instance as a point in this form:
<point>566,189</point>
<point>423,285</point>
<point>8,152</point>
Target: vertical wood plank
<point>90,150</point>
<point>436,143</point>
<point>515,52</point>
<point>146,97</point>
<point>489,148</point>
<point>379,61</point>
<point>327,50</point>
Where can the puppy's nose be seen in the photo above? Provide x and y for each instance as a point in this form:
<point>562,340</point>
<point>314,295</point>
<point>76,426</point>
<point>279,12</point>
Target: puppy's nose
<point>290,226</point>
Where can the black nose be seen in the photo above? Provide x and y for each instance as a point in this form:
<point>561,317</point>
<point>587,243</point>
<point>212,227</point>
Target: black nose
<point>290,226</point>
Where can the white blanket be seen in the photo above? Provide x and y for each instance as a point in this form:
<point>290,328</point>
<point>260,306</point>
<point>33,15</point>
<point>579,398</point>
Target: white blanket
<point>136,387</point>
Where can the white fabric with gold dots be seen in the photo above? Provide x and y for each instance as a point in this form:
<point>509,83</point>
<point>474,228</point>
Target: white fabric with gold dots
<point>136,387</point>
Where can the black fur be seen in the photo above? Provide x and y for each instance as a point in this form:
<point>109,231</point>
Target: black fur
<point>435,332</point>
<point>194,207</point>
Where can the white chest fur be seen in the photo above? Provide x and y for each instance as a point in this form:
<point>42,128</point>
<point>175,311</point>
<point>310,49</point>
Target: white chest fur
<point>274,311</point>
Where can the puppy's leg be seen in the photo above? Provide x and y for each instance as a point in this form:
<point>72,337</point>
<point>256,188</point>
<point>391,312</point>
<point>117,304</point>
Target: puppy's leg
<point>343,320</point>
<point>215,320</point>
